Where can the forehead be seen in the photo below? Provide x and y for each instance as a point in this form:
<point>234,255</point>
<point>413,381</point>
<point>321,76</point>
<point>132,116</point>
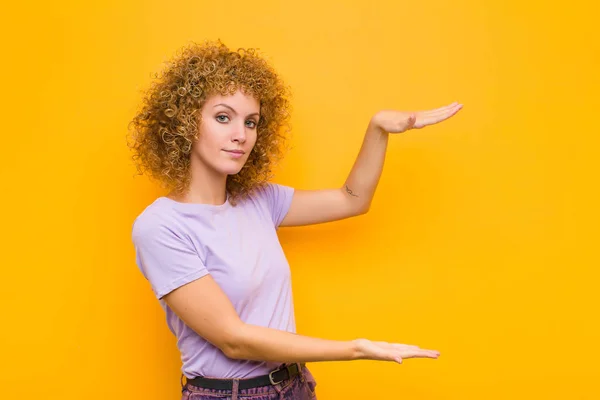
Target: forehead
<point>238,100</point>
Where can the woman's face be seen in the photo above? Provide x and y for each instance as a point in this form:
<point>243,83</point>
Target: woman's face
<point>227,132</point>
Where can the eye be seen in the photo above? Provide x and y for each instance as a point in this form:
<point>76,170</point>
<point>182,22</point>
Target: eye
<point>222,118</point>
<point>251,124</point>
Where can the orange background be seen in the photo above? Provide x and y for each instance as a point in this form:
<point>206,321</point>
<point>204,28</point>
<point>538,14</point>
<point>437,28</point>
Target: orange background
<point>481,242</point>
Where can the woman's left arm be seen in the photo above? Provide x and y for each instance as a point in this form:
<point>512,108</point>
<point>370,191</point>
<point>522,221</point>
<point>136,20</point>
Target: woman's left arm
<point>355,196</point>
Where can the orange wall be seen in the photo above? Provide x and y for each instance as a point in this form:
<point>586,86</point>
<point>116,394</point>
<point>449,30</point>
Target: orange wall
<point>481,242</point>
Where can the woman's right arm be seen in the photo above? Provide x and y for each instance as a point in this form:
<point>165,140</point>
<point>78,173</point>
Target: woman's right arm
<point>205,308</point>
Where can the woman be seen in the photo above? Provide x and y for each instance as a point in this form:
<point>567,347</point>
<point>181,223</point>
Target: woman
<point>210,129</point>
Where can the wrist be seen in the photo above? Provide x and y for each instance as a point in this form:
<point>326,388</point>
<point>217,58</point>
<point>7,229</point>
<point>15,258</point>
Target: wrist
<point>356,350</point>
<point>374,125</point>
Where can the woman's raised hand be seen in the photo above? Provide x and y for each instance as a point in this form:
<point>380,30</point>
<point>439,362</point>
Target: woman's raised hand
<point>393,121</point>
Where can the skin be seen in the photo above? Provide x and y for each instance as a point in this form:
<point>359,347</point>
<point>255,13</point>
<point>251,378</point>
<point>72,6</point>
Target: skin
<point>229,122</point>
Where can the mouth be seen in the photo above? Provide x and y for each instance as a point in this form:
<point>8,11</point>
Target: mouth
<point>236,151</point>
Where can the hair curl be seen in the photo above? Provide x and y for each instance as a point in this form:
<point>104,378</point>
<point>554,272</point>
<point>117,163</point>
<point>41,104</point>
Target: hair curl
<point>163,130</point>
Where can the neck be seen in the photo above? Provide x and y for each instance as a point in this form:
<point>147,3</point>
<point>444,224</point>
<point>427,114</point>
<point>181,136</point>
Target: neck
<point>206,186</point>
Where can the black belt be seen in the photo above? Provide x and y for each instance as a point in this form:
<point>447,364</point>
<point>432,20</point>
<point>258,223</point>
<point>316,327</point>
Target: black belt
<point>272,378</point>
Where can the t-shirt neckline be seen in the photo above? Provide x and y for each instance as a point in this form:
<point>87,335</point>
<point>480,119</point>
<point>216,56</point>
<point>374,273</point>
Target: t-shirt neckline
<point>197,206</point>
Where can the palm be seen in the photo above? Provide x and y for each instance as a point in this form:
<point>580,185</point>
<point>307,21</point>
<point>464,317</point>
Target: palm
<point>393,351</point>
<point>400,121</point>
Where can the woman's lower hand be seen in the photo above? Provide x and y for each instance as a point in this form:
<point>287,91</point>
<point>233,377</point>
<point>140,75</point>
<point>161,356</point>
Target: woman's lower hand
<point>384,351</point>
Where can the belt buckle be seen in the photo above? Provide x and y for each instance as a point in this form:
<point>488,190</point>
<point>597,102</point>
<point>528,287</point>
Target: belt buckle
<point>271,376</point>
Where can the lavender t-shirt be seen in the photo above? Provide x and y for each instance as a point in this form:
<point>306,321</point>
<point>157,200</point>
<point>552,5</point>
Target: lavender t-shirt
<point>177,243</point>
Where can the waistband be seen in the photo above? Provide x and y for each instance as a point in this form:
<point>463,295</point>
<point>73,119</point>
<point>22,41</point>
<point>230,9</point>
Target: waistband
<point>274,377</point>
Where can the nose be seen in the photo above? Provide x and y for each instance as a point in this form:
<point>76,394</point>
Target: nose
<point>239,134</point>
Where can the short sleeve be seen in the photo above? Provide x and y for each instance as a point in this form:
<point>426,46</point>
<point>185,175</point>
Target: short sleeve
<point>278,199</point>
<point>165,259</point>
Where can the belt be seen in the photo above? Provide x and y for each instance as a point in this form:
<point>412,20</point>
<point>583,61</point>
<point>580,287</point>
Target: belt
<point>272,378</point>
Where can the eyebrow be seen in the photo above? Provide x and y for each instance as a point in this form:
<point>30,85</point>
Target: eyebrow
<point>235,112</point>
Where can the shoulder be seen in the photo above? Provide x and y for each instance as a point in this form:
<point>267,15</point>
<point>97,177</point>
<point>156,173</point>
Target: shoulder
<point>275,199</point>
<point>269,195</point>
<point>269,190</point>
<point>155,219</point>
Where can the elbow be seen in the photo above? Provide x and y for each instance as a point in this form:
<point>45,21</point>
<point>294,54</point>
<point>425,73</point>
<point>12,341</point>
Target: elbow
<point>232,351</point>
<point>363,209</point>
<point>232,343</point>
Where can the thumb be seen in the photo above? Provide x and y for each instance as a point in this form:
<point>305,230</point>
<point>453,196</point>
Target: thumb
<point>412,118</point>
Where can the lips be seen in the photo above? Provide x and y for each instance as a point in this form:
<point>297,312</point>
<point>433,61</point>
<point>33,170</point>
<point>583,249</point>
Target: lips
<point>235,151</point>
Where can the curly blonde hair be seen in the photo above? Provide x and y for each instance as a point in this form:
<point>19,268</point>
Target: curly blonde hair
<point>163,130</point>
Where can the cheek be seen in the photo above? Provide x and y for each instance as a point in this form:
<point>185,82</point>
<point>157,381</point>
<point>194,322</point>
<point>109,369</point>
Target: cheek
<point>206,149</point>
<point>253,139</point>
<point>210,138</point>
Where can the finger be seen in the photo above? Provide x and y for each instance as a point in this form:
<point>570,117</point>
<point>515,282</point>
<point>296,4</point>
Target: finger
<point>407,351</point>
<point>421,354</point>
<point>421,122</point>
<point>414,348</point>
<point>415,354</point>
<point>443,108</point>
<point>455,107</point>
<point>435,118</point>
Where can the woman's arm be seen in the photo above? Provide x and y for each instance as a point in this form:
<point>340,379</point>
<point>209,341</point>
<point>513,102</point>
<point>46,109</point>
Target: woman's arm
<point>205,308</point>
<point>355,196</point>
<point>365,173</point>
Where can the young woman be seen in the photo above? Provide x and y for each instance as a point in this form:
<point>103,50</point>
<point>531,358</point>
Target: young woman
<point>210,129</point>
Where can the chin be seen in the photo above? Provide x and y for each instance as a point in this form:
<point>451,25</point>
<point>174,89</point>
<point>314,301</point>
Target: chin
<point>232,170</point>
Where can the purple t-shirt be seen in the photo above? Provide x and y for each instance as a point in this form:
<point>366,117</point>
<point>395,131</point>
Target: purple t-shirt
<point>177,243</point>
